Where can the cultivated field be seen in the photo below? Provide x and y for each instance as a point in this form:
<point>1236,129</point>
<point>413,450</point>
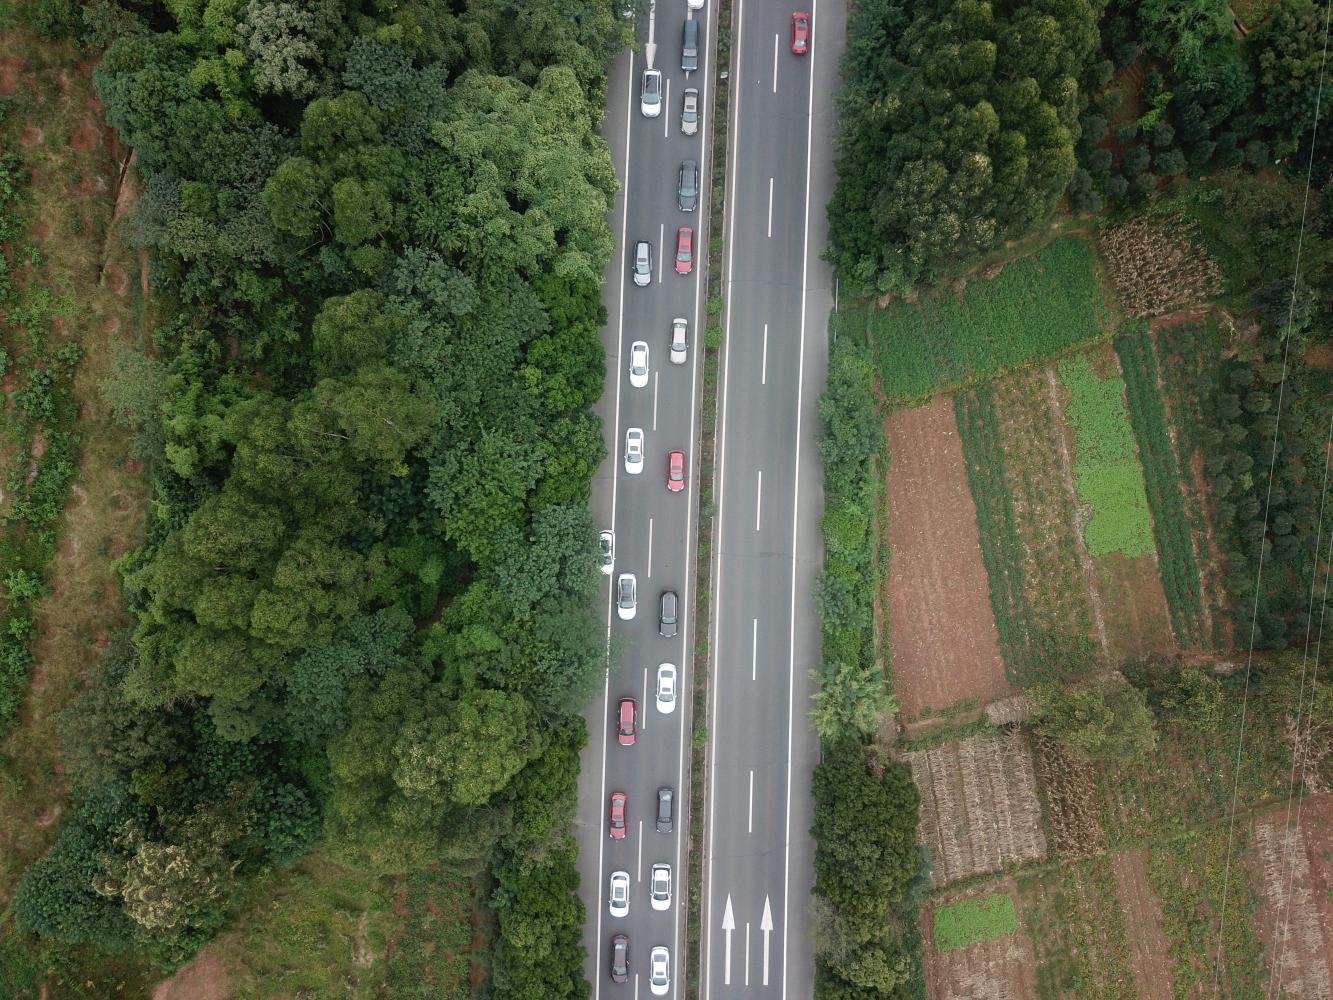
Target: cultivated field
<point>979,806</point>
<point>1001,967</point>
<point>945,647</point>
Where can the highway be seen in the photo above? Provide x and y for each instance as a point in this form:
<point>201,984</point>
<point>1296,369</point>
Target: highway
<point>757,859</point>
<point>655,530</point>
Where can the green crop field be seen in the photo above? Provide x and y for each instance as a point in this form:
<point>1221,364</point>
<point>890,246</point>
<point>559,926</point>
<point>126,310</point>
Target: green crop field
<point>969,921</point>
<point>1037,307</point>
<point>1161,470</point>
<point>1106,468</point>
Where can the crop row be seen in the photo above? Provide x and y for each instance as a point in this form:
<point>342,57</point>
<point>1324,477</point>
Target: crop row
<point>1036,307</point>
<point>1106,468</point>
<point>1001,550</point>
<point>1161,471</point>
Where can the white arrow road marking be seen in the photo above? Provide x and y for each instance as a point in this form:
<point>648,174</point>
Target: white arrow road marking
<point>728,925</point>
<point>766,925</point>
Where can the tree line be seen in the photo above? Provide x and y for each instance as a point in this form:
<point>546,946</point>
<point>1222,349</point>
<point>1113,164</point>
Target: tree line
<point>362,617</point>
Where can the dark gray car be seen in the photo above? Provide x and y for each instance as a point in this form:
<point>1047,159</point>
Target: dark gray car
<point>666,620</point>
<point>689,46</point>
<point>620,958</point>
<point>687,186</point>
<point>664,797</point>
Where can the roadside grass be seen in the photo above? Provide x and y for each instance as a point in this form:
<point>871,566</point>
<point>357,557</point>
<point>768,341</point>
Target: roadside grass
<point>1077,928</point>
<point>1162,478</point>
<point>969,921</point>
<point>324,930</point>
<point>73,296</point>
<point>1038,306</point>
<point>1190,875</point>
<point>1106,467</point>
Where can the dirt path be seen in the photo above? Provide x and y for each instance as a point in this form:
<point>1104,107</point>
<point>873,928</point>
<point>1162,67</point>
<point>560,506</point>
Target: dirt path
<point>942,633</point>
<point>1149,951</point>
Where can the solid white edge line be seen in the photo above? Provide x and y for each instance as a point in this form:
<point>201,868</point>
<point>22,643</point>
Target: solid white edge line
<point>615,482</point>
<point>796,502</point>
<point>705,939</point>
<point>691,541</point>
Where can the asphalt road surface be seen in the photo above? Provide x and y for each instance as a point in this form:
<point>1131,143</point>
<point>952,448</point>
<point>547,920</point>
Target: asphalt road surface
<point>757,855</point>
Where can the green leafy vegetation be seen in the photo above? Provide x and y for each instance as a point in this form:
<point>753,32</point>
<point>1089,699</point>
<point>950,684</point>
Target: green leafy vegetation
<point>1161,475</point>
<point>957,127</point>
<point>363,614</point>
<point>969,921</point>
<point>1103,721</point>
<point>1190,875</point>
<point>1075,922</point>
<point>1106,468</point>
<point>1036,307</point>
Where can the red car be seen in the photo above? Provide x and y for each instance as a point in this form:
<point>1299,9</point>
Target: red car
<point>800,33</point>
<point>684,250</point>
<point>626,728</point>
<point>619,803</point>
<point>675,471</point>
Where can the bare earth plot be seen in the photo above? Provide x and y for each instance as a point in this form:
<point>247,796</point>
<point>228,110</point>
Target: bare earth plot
<point>979,807</point>
<point>945,647</point>
<point>1002,969</point>
<point>1290,868</point>
<point>1149,950</point>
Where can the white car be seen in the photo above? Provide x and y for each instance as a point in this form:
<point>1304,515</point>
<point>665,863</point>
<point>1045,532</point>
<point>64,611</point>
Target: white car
<point>650,93</point>
<point>661,886</point>
<point>638,364</point>
<point>659,971</point>
<point>666,688</point>
<point>679,331</point>
<point>634,451</point>
<point>697,4</point>
<point>619,899</point>
<point>627,596</point>
<point>606,551</point>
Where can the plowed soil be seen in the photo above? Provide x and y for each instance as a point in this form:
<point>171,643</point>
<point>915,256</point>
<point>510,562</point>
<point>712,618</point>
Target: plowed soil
<point>1003,969</point>
<point>943,638</point>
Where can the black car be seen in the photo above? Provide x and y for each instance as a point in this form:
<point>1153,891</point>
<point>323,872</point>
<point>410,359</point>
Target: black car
<point>687,186</point>
<point>620,958</point>
<point>664,810</point>
<point>667,618</point>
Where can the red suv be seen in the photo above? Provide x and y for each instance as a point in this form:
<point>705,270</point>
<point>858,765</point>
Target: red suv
<point>800,33</point>
<point>619,802</point>
<point>625,729</point>
<point>684,250</point>
<point>675,471</point>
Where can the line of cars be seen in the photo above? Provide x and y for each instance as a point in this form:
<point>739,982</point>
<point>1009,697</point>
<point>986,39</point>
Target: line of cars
<point>651,100</point>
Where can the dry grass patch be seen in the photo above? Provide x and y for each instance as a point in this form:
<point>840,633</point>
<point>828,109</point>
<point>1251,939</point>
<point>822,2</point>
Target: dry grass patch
<point>979,806</point>
<point>1069,786</point>
<point>1290,868</point>
<point>1156,265</point>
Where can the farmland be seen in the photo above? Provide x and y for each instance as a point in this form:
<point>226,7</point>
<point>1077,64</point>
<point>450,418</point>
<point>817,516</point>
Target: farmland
<point>1035,307</point>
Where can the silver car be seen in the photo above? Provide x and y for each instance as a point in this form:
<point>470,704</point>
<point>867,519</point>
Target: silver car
<point>687,186</point>
<point>606,550</point>
<point>678,337</point>
<point>643,263</point>
<point>650,93</point>
<point>689,112</point>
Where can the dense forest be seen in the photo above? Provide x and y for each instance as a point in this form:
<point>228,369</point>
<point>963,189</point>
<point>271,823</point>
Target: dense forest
<point>363,616</point>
